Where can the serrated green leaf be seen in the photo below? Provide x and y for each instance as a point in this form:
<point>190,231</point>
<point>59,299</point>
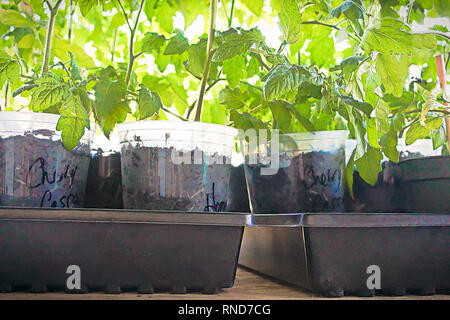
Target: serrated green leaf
<point>382,117</point>
<point>149,103</point>
<point>364,107</point>
<point>73,121</point>
<point>74,69</point>
<point>236,44</point>
<point>439,137</point>
<point>51,90</point>
<point>290,21</point>
<point>369,165</point>
<point>418,131</point>
<point>110,107</point>
<point>388,143</point>
<point>152,41</point>
<point>386,37</point>
<point>253,67</point>
<point>9,69</point>
<point>282,79</point>
<point>177,44</point>
<point>86,5</point>
<point>232,98</point>
<point>13,18</point>
<point>349,65</point>
<point>246,121</point>
<point>234,69</point>
<point>393,79</point>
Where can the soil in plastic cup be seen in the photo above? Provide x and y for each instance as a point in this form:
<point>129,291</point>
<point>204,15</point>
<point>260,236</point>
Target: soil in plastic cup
<point>175,165</point>
<point>309,178</point>
<point>35,168</point>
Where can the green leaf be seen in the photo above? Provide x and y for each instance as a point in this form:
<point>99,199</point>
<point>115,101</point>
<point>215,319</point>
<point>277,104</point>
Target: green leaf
<point>364,107</point>
<point>282,79</point>
<point>372,136</point>
<point>86,5</point>
<point>392,78</point>
<point>369,165</point>
<point>197,56</point>
<point>232,98</point>
<point>290,21</point>
<point>234,69</point>
<point>149,103</point>
<point>388,143</point>
<point>255,6</point>
<point>164,15</point>
<point>74,69</point>
<point>177,44</point>
<point>439,137</point>
<point>382,121</point>
<point>74,118</point>
<point>110,107</point>
<point>9,69</point>
<point>152,41</point>
<point>386,36</point>
<point>417,131</point>
<point>236,44</point>
<point>304,121</point>
<point>351,9</point>
<point>246,121</point>
<point>51,90</point>
<point>348,65</point>
<point>253,67</point>
<point>281,116</point>
<point>13,18</point>
<point>321,47</point>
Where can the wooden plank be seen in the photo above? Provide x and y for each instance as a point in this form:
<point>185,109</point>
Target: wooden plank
<point>248,286</point>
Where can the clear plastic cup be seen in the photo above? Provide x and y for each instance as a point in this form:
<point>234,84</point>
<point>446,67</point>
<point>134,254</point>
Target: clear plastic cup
<point>309,176</point>
<point>35,168</point>
<point>176,165</point>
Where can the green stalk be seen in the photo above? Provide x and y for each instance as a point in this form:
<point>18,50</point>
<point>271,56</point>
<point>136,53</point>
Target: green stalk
<point>230,19</point>
<point>131,55</point>
<point>49,36</point>
<point>71,12</point>
<point>211,34</point>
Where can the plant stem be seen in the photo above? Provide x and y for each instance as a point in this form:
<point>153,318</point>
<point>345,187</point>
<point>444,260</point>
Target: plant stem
<point>125,14</point>
<point>6,95</point>
<point>322,24</point>
<point>113,45</point>
<point>49,36</point>
<point>172,113</point>
<point>191,107</point>
<point>131,56</point>
<point>211,34</point>
<point>71,11</point>
<point>230,19</point>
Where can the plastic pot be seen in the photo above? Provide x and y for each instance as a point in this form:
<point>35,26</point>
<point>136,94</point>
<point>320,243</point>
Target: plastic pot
<point>35,168</point>
<point>104,183</point>
<point>309,178</point>
<point>176,165</point>
<point>423,184</point>
<point>382,197</point>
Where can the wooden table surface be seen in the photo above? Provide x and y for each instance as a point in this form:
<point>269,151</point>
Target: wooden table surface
<point>248,286</point>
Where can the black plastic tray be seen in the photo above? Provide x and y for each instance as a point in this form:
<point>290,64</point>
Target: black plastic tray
<point>119,250</point>
<point>330,253</point>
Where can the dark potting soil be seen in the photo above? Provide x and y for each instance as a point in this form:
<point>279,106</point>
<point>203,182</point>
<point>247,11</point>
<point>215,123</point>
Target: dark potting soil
<point>308,182</point>
<point>382,197</point>
<point>36,172</point>
<point>237,192</point>
<point>152,181</point>
<point>104,183</point>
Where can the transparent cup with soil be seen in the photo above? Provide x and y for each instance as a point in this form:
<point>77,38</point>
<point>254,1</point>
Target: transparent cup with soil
<point>104,183</point>
<point>176,165</point>
<point>307,172</point>
<point>35,168</point>
<point>383,196</point>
